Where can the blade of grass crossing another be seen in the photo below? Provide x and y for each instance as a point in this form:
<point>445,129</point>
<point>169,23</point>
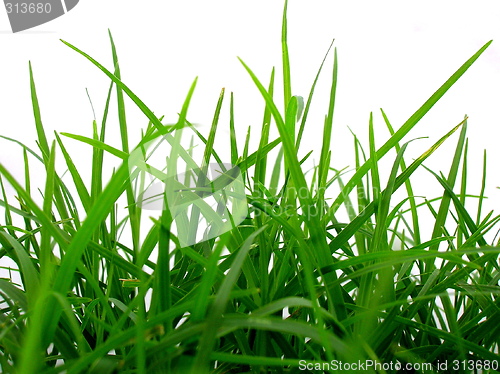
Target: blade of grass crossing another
<point>140,104</point>
<point>260,219</point>
<point>29,275</point>
<point>309,98</point>
<point>446,198</point>
<point>46,255</point>
<point>133,209</point>
<point>409,188</point>
<point>363,216</point>
<point>318,236</point>
<point>201,181</point>
<point>82,191</point>
<point>404,129</point>
<point>366,282</point>
<point>44,147</point>
<point>464,215</point>
<point>261,162</point>
<point>33,344</point>
<point>69,263</point>
<point>213,321</point>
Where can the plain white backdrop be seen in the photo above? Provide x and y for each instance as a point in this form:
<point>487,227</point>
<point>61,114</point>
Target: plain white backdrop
<point>392,55</point>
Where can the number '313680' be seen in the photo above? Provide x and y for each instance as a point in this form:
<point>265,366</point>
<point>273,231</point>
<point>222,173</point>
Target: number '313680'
<point>475,365</point>
<point>31,8</point>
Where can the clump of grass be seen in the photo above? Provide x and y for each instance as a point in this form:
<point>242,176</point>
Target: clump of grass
<point>292,284</point>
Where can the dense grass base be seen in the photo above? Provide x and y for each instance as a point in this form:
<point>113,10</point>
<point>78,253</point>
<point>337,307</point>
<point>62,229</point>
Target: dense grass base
<point>327,270</point>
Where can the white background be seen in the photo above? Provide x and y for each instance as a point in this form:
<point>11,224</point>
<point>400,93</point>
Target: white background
<point>392,55</point>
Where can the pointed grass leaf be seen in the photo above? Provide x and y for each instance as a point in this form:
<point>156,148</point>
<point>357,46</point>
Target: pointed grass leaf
<point>405,128</point>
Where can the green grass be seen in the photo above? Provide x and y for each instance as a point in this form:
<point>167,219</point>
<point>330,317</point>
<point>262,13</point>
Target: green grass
<point>327,266</point>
